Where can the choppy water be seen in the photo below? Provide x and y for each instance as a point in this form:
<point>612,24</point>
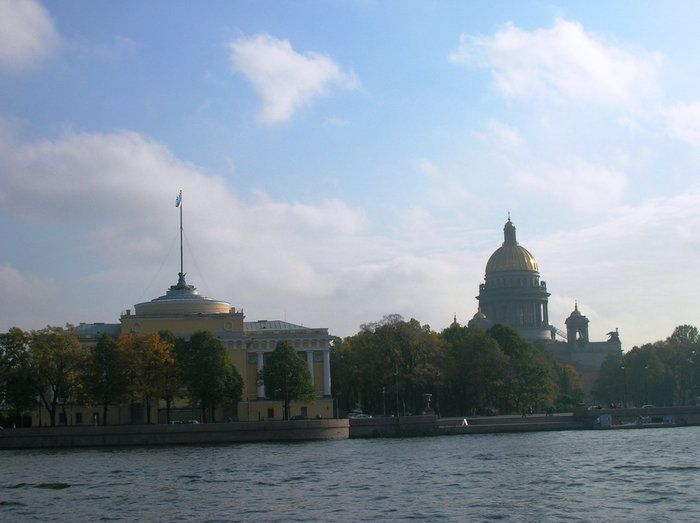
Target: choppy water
<point>633,475</point>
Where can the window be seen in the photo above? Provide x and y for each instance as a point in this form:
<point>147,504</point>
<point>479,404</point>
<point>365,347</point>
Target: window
<point>271,413</point>
<point>304,412</point>
<point>78,418</point>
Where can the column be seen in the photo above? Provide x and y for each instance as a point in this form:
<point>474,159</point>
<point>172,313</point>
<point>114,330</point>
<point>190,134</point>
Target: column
<point>261,387</point>
<point>310,363</point>
<point>326,373</point>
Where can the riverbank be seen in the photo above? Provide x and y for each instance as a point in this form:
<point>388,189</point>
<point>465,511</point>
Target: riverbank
<point>333,429</point>
<point>191,434</point>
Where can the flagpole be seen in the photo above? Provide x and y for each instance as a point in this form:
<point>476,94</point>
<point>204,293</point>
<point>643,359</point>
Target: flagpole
<point>182,272</point>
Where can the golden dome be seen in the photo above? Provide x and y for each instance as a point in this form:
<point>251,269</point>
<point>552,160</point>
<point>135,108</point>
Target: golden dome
<point>511,256</point>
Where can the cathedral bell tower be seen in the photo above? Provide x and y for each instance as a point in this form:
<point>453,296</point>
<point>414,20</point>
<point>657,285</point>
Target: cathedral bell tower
<point>576,327</point>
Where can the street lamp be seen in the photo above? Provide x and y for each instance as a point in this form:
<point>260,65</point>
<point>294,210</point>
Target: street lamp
<point>646,384</point>
<point>396,384</point>
<point>288,374</point>
<point>624,377</point>
<point>437,395</point>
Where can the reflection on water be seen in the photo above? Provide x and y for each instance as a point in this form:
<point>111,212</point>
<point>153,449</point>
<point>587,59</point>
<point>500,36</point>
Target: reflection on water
<point>635,475</point>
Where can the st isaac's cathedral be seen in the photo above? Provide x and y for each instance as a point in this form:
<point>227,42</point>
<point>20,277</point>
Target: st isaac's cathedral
<point>512,293</point>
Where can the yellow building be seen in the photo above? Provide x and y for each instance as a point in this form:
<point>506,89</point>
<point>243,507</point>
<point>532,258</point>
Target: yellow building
<point>183,311</point>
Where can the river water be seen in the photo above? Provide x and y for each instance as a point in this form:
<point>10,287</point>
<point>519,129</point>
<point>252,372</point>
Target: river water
<point>614,475</point>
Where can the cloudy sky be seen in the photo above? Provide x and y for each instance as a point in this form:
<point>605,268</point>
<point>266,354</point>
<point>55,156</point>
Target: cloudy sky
<point>345,160</point>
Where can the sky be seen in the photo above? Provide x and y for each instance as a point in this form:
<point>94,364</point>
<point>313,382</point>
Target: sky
<point>345,160</point>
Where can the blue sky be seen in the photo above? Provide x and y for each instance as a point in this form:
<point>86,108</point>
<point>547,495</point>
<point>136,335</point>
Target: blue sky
<point>345,160</point>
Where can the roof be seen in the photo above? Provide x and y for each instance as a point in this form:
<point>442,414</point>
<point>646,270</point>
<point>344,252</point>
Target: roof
<point>182,299</point>
<point>511,256</point>
<point>97,329</point>
<point>274,325</point>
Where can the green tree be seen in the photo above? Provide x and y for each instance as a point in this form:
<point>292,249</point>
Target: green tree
<point>55,360</point>
<point>17,383</point>
<point>173,379</point>
<point>210,378</point>
<point>476,370</point>
<point>665,372</point>
<point>684,335</point>
<point>530,380</point>
<point>286,377</point>
<point>388,365</point>
<point>150,363</point>
<point>570,388</point>
<point>106,374</point>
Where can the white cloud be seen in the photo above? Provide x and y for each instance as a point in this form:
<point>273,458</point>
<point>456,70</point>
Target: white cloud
<point>285,79</point>
<point>447,192</point>
<point>502,134</point>
<point>86,176</point>
<point>584,186</point>
<point>27,34</point>
<point>428,168</point>
<point>683,121</point>
<point>564,62</point>
<point>634,270</point>
<point>28,288</point>
<point>113,195</point>
<point>110,197</point>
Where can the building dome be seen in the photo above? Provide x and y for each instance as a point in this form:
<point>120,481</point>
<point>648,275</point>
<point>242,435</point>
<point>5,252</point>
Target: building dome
<point>575,313</point>
<point>511,256</point>
<point>481,320</point>
<point>182,299</point>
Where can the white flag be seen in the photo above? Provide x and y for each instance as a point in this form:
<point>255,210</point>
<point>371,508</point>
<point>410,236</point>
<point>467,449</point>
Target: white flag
<point>178,199</point>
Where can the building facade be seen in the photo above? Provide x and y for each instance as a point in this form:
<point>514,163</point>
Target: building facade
<point>183,311</point>
<point>512,293</point>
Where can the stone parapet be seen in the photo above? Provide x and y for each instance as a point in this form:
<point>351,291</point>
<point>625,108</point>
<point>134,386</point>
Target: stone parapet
<point>180,434</point>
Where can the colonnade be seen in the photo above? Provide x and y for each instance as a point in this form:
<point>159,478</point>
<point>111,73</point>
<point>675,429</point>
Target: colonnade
<point>310,362</point>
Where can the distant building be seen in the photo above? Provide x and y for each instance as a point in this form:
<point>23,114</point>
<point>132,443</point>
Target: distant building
<point>512,293</point>
<point>183,311</point>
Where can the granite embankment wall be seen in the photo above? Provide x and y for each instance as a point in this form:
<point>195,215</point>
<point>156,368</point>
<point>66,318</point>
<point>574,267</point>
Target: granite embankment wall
<point>394,427</point>
<point>689,415</point>
<point>430,425</point>
<point>537,423</point>
<point>582,419</point>
<point>403,426</point>
<point>145,435</point>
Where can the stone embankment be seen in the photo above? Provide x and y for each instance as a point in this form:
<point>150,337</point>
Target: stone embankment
<point>295,430</point>
<point>625,418</point>
<point>145,435</point>
<point>431,425</point>
<point>491,424</point>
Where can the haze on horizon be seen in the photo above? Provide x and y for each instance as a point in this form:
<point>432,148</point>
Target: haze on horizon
<point>341,161</point>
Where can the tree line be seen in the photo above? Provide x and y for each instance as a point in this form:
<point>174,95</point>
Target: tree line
<point>390,365</point>
<point>663,373</point>
<point>49,368</point>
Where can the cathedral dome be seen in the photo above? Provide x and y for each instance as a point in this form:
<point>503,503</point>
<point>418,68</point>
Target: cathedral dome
<point>511,256</point>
